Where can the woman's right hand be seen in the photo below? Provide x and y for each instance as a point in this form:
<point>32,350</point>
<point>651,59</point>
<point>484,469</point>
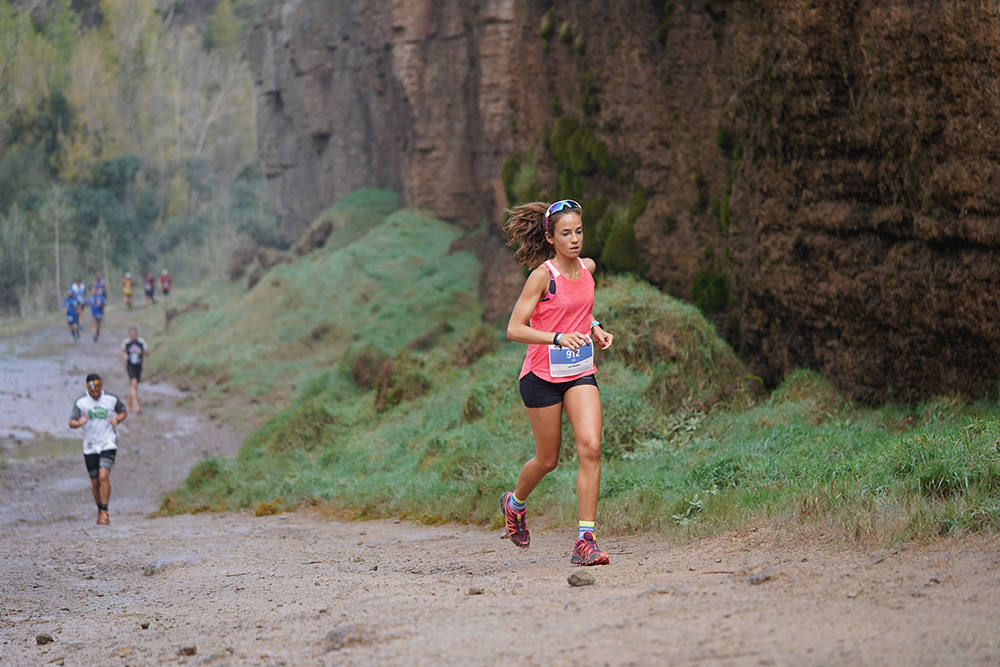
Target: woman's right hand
<point>574,340</point>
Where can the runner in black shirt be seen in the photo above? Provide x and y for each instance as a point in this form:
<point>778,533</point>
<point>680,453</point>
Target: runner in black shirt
<point>134,352</point>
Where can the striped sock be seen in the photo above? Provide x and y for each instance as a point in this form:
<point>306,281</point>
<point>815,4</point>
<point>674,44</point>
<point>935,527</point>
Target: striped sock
<point>516,505</point>
<point>586,527</point>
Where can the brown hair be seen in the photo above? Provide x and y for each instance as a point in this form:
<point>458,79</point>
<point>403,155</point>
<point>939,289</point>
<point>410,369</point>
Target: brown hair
<point>526,228</point>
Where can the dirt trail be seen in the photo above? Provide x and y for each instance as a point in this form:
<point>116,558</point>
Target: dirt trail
<point>309,588</point>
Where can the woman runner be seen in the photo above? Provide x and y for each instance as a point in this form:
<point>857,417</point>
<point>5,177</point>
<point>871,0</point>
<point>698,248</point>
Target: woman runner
<point>554,316</point>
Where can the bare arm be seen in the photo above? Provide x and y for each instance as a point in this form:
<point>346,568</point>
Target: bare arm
<point>518,329</point>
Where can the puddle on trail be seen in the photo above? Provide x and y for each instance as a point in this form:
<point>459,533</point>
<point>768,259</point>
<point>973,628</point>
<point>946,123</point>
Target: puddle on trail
<point>41,445</point>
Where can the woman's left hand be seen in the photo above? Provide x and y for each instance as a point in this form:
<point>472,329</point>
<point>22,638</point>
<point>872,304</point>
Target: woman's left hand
<point>603,338</point>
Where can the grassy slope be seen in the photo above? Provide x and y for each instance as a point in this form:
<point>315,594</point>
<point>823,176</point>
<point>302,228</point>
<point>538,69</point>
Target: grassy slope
<point>428,435</point>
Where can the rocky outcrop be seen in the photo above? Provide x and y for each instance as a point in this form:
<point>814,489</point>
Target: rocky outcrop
<point>868,237</point>
<point>410,96</point>
<point>822,175</point>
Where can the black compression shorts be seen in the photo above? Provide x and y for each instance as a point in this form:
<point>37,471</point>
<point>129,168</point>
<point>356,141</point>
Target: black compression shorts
<point>94,462</point>
<point>539,393</point>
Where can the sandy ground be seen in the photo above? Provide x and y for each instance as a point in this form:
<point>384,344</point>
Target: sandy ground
<point>310,588</point>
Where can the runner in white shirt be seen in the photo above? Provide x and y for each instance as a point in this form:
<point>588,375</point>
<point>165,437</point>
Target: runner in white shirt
<point>134,352</point>
<point>98,413</point>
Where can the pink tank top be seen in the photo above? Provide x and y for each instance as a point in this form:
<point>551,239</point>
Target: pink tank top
<point>569,309</point>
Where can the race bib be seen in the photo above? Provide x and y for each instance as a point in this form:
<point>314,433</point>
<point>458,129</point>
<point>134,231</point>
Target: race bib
<point>134,358</point>
<point>564,362</point>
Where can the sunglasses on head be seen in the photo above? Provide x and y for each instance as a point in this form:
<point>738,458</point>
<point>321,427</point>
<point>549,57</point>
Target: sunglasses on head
<point>561,205</point>
<point>94,384</point>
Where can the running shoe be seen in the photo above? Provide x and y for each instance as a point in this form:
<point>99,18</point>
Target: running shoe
<point>517,530</point>
<point>102,518</point>
<point>587,552</point>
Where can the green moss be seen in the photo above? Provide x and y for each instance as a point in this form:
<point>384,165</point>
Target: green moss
<point>636,205</point>
<point>589,102</point>
<point>566,32</point>
<point>709,291</point>
<point>701,192</point>
<point>725,140</point>
<point>666,23</point>
<point>520,179</point>
<point>621,251</point>
<point>594,214</point>
<point>578,154</point>
<point>547,26</point>
<point>579,45</point>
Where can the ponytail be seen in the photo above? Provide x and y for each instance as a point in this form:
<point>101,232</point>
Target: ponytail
<point>526,228</point>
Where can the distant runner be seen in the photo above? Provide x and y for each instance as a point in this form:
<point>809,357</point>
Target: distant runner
<point>96,302</point>
<point>128,286</point>
<point>98,413</point>
<point>149,286</point>
<point>165,282</point>
<point>134,352</point>
<point>79,290</point>
<point>99,286</point>
<point>72,315</point>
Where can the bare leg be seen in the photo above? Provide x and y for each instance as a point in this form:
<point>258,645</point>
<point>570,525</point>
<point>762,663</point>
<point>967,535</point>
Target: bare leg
<point>95,488</point>
<point>133,396</point>
<point>546,425</point>
<point>583,408</point>
<point>104,482</point>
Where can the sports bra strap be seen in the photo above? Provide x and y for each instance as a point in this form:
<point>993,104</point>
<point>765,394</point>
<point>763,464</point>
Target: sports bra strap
<point>553,271</point>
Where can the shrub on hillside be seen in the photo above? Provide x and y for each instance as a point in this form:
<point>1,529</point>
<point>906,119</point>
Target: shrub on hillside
<point>668,339</point>
<point>400,379</point>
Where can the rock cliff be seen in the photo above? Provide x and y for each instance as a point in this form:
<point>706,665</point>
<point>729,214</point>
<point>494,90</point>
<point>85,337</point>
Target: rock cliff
<point>821,176</point>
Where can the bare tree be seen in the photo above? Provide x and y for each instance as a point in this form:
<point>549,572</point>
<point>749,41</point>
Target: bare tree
<point>57,209</point>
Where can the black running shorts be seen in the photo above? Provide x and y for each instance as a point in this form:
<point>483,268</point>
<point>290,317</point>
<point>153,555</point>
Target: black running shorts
<point>105,460</point>
<point>134,371</point>
<point>539,393</point>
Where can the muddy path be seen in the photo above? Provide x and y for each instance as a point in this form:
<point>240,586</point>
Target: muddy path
<point>310,588</point>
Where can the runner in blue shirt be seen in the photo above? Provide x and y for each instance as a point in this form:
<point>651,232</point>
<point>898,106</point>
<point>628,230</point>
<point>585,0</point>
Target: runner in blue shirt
<point>96,302</point>
<point>72,315</point>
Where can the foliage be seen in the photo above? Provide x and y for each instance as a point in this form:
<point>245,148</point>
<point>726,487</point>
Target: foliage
<point>151,132</point>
